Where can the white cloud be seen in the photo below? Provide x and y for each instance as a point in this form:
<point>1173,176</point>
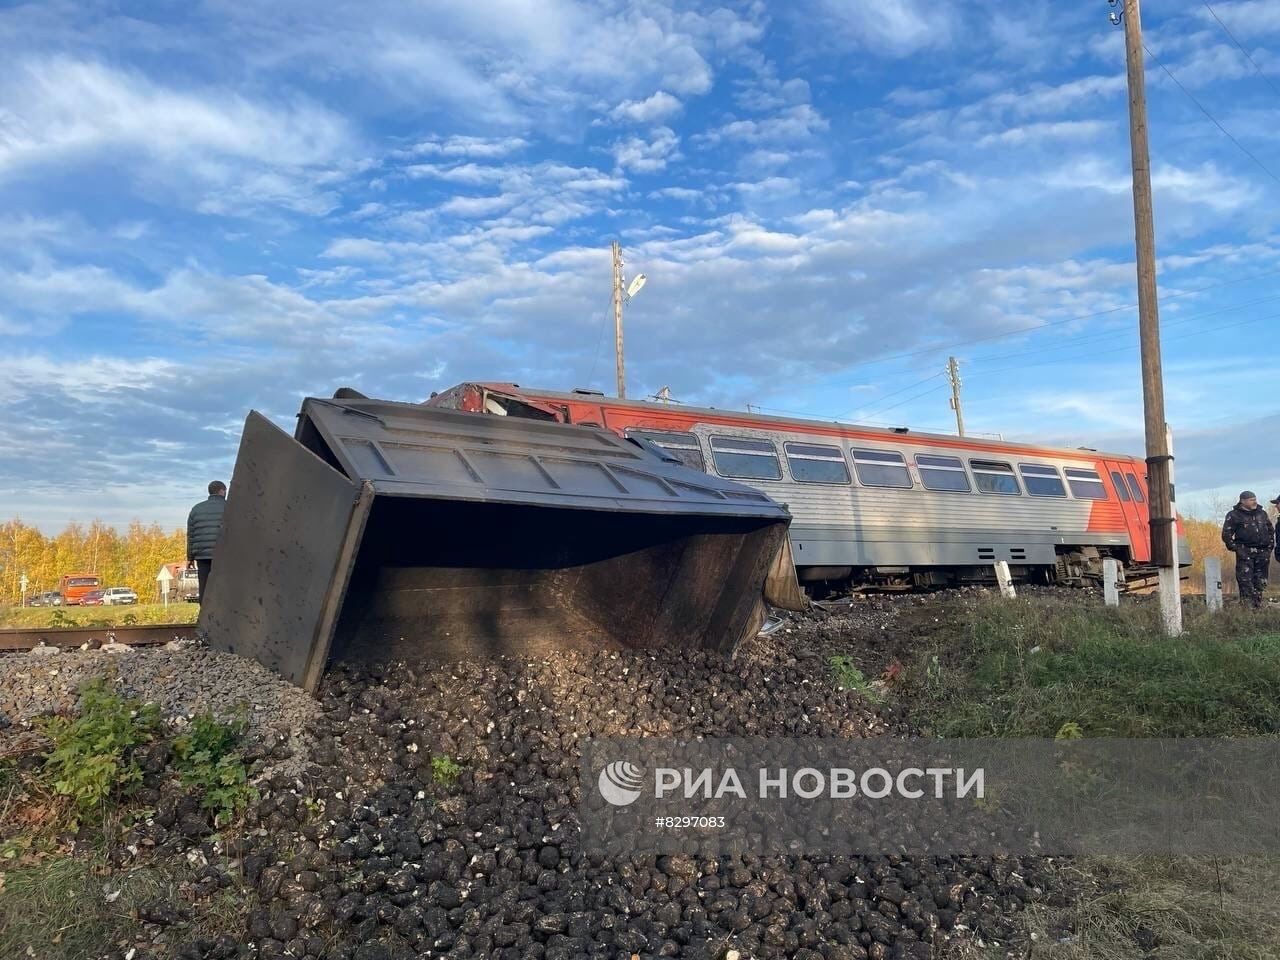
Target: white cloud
<point>62,111</point>
<point>678,193</point>
<point>892,30</point>
<point>1049,130</point>
<point>477,206</point>
<point>472,147</point>
<point>794,123</point>
<point>1044,98</point>
<point>506,65</point>
<point>647,156</point>
<point>472,173</point>
<point>1205,185</point>
<point>1253,18</point>
<point>661,106</point>
<point>769,93</point>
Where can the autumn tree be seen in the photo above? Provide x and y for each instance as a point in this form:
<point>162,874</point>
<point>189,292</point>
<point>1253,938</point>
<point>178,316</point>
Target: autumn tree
<point>131,559</point>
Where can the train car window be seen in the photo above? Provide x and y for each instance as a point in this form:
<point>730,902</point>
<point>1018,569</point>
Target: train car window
<point>1086,484</point>
<point>942,473</point>
<point>745,458</point>
<point>814,463</point>
<point>1135,488</point>
<point>1042,481</point>
<point>881,468</point>
<point>683,446</point>
<point>995,476</point>
<point>1117,481</point>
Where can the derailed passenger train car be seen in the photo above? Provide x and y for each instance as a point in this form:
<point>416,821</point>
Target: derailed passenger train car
<point>888,506</point>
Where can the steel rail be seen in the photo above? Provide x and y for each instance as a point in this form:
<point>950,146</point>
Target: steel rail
<point>19,639</point>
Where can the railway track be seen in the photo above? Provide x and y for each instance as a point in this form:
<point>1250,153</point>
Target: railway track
<point>16,640</point>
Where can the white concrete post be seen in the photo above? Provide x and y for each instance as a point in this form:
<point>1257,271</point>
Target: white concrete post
<point>1005,580</point>
<point>1213,583</point>
<point>1111,581</point>
<point>1170,577</point>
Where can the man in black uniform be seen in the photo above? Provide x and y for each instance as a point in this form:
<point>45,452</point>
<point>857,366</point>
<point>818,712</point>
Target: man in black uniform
<point>1248,534</point>
<point>203,526</point>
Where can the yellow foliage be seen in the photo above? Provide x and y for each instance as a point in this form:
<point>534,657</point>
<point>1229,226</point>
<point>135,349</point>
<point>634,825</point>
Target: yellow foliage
<point>122,559</point>
<point>1205,539</point>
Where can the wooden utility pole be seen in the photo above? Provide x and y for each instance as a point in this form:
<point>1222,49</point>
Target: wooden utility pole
<point>1160,499</point>
<point>953,374</point>
<point>617,319</point>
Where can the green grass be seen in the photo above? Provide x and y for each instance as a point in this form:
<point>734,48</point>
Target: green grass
<point>115,616</point>
<point>847,675</point>
<point>1163,908</point>
<point>1027,668</point>
<point>445,770</point>
<point>1042,667</point>
<point>59,910</point>
<point>67,908</point>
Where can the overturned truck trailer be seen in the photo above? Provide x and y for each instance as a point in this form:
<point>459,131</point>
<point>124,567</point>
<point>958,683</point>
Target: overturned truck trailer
<point>386,530</point>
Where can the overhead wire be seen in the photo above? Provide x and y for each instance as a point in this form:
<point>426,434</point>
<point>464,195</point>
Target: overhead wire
<point>872,410</point>
<point>1133,346</point>
<point>599,342</point>
<point>875,404</point>
<point>1248,56</point>
<point>1176,321</point>
<point>1227,133</point>
<point>937,348</point>
<point>894,406</point>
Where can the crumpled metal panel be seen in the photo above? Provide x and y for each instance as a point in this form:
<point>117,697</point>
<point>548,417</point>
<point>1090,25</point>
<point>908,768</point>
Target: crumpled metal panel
<point>283,556</point>
<point>388,530</point>
<point>407,449</point>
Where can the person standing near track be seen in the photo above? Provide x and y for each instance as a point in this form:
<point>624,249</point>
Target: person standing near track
<point>1250,535</point>
<point>203,525</point>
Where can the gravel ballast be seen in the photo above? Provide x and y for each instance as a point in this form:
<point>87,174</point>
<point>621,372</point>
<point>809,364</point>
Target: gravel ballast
<point>183,680</point>
<point>359,850</point>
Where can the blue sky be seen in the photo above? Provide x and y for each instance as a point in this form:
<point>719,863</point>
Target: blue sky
<point>208,207</point>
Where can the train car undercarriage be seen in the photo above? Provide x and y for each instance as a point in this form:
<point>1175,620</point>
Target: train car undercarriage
<point>1080,566</point>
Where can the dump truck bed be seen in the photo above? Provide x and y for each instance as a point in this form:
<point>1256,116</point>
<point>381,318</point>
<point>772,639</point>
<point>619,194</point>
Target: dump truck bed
<point>387,530</point>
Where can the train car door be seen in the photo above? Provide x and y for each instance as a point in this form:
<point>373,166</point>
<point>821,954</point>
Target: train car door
<point>1133,502</point>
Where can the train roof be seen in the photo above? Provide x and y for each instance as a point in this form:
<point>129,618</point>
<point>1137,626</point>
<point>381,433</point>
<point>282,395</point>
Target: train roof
<point>889,433</point>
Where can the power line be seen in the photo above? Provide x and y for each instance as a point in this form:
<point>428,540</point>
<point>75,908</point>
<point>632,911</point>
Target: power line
<point>871,406</point>
<point>1227,133</point>
<point>874,405</point>
<point>1054,323</point>
<point>926,393</point>
<point>599,343</point>
<point>1132,346</point>
<point>875,408</point>
<point>1248,56</point>
<point>1120,333</point>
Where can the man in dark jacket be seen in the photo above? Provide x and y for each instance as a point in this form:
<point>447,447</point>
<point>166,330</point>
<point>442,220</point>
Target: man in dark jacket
<point>1248,534</point>
<point>203,525</point>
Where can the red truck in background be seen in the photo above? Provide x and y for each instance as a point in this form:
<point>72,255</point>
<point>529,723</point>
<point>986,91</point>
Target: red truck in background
<point>74,586</point>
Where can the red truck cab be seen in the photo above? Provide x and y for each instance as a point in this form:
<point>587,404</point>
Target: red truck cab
<point>76,585</point>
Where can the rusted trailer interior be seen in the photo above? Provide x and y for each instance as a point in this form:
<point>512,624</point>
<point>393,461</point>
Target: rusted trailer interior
<point>386,530</point>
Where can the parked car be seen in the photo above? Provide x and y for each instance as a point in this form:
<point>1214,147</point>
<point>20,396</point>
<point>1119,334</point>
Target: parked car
<point>50,598</point>
<point>91,599</point>
<point>188,586</point>
<point>118,595</point>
